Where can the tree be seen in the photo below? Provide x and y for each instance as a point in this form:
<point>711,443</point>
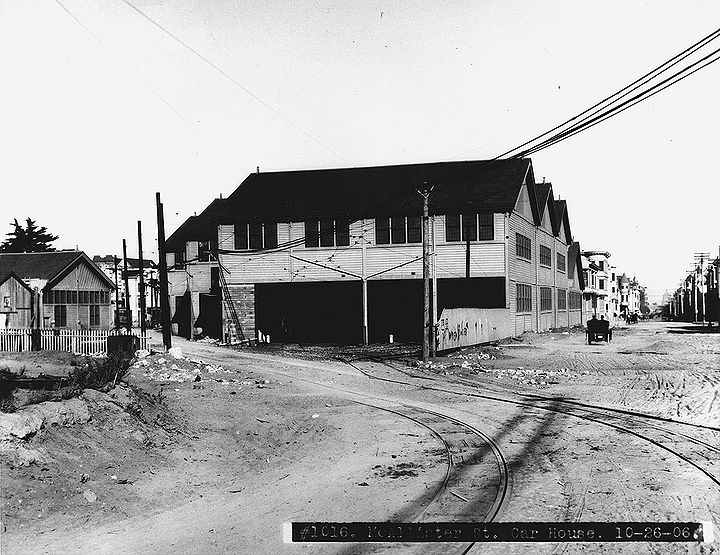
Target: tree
<point>30,238</point>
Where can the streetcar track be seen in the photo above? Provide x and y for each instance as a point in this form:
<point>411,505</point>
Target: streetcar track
<point>569,412</point>
<point>503,484</point>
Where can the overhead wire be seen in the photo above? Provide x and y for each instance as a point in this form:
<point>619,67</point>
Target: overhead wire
<point>232,79</point>
<point>627,89</point>
<point>625,105</point>
<point>93,35</point>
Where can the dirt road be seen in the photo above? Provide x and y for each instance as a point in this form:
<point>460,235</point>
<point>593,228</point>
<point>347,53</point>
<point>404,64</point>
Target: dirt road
<point>545,429</point>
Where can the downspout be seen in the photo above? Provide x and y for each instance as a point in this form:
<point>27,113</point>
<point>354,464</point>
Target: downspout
<point>537,281</point>
<point>363,278</point>
<point>506,218</point>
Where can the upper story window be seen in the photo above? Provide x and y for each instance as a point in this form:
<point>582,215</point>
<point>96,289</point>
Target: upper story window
<point>255,236</point>
<point>601,284</point>
<point>473,227</point>
<point>327,233</point>
<point>523,246</point>
<point>398,230</point>
<point>560,262</point>
<point>545,256</point>
<point>601,264</point>
<point>207,251</point>
<point>179,258</point>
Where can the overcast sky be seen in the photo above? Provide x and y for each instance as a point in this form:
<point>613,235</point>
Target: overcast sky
<point>97,116</point>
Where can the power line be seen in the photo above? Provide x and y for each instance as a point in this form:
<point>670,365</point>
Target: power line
<point>675,78</point>
<point>232,79</point>
<point>93,35</point>
<point>629,88</point>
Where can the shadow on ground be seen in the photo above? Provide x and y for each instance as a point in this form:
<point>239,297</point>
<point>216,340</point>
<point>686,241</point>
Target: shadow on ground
<point>695,329</point>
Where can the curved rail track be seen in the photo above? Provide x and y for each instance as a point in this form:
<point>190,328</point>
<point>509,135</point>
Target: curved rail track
<point>614,418</point>
<point>604,416</point>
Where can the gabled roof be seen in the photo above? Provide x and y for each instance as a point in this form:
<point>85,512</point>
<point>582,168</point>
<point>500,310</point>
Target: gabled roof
<point>484,186</point>
<point>575,257</point>
<point>544,197</point>
<point>36,265</point>
<point>83,258</point>
<point>4,278</point>
<point>50,266</point>
<point>197,228</point>
<point>561,216</point>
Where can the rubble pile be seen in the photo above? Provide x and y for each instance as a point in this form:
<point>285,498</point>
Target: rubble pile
<point>172,366</point>
<point>477,363</point>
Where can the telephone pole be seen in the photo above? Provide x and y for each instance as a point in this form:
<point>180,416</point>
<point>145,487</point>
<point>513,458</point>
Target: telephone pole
<point>427,326</point>
<point>128,314</point>
<point>700,258</point>
<point>141,286</point>
<point>162,262</point>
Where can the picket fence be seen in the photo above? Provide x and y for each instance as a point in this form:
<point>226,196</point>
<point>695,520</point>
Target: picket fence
<point>84,342</point>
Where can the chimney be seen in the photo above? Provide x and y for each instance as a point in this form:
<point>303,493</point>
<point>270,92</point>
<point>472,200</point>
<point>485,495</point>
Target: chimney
<point>257,169</point>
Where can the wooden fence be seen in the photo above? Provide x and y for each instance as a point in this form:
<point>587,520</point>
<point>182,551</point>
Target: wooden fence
<point>84,342</point>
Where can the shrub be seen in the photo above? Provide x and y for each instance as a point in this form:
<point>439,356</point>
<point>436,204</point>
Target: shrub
<point>100,373</point>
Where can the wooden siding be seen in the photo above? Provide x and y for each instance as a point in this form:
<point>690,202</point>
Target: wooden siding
<point>546,222</point>
<point>18,312</point>
<point>82,278</point>
<point>78,316</point>
<point>191,250</point>
<point>403,261</point>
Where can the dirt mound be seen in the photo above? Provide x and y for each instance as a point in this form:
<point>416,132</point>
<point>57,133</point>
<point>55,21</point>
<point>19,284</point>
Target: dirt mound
<point>78,457</point>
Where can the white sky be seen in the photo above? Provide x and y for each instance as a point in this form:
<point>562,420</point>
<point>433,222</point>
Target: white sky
<point>87,136</point>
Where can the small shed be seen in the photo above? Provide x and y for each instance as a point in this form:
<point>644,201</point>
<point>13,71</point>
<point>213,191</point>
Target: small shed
<point>16,302</point>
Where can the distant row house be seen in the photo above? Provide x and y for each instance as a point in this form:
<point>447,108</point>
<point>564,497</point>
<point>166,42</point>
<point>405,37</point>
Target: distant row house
<point>59,289</point>
<point>336,255</point>
<point>607,293</point>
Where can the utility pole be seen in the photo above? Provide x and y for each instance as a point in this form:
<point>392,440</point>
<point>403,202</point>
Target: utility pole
<point>425,194</point>
<point>128,314</point>
<point>433,305</point>
<point>164,298</point>
<point>117,291</point>
<point>700,258</point>
<point>141,287</point>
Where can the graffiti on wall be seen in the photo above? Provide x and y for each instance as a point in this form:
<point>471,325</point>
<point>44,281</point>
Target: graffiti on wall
<point>462,327</point>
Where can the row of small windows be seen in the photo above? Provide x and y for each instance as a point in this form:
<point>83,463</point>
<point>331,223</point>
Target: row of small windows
<point>60,315</point>
<point>398,230</point>
<point>523,249</point>
<point>469,227</point>
<point>327,233</point>
<point>61,296</point>
<point>524,299</point>
<point>255,236</point>
<point>388,230</point>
